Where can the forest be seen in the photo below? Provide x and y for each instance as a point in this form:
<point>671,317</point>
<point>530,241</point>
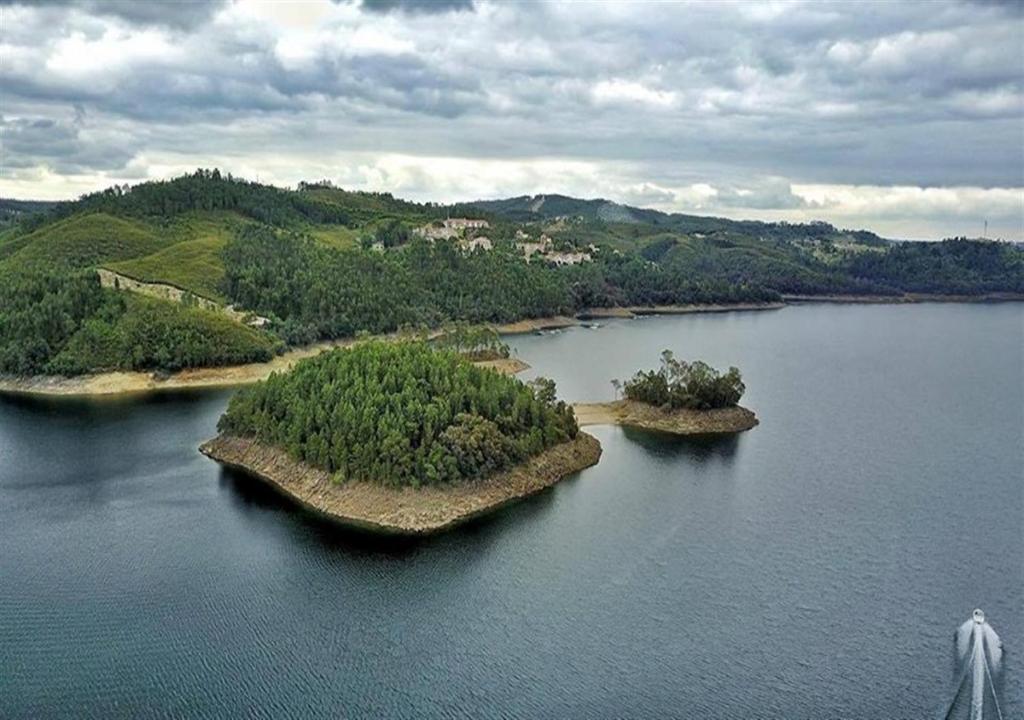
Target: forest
<point>319,292</point>
<point>955,266</point>
<point>201,190</point>
<point>67,324</point>
<point>402,414</point>
<point>679,384</point>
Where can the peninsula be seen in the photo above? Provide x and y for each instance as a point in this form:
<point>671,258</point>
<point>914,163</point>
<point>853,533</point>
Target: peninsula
<point>401,437</point>
<point>631,413</point>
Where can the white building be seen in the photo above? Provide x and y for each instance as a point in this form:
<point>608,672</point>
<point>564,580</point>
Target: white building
<point>478,242</point>
<point>529,249</point>
<point>465,223</point>
<point>567,258</point>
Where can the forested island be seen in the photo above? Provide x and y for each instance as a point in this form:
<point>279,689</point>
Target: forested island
<point>680,397</point>
<point>317,264</point>
<point>401,437</point>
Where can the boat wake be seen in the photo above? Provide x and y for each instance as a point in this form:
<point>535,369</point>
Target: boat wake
<point>980,654</point>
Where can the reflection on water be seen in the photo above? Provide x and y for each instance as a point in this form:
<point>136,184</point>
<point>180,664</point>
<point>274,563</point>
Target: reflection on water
<point>698,448</point>
<point>251,495</point>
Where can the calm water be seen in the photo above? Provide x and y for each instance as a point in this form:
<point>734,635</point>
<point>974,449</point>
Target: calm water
<point>815,567</point>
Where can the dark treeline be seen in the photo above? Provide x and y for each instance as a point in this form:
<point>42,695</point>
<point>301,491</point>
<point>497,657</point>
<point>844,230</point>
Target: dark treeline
<point>202,190</point>
<point>320,292</point>
<point>775,265</point>
<point>401,414</point>
<point>679,384</point>
<point>68,324</point>
<point>957,266</point>
<point>39,313</point>
<point>628,279</point>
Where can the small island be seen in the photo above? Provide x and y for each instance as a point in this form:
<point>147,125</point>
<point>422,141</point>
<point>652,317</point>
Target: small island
<point>401,437</point>
<point>682,398</point>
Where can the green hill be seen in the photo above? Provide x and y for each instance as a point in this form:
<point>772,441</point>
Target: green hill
<point>81,241</point>
<point>193,259</point>
<point>298,257</point>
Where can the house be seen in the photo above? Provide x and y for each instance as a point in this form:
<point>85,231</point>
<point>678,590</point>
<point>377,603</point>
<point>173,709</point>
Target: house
<point>430,232</point>
<point>465,224</point>
<point>542,245</point>
<point>480,241</point>
<point>567,258</point>
<point>449,228</point>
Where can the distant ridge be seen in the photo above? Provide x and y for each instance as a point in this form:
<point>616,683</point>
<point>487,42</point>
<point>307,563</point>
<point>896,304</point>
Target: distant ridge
<point>526,208</point>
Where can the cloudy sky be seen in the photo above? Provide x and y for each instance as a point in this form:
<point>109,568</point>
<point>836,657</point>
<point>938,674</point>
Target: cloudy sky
<point>904,118</point>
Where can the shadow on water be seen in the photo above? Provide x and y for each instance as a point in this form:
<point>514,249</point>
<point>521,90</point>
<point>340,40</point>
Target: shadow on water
<point>101,407</point>
<point>250,493</point>
<point>699,448</point>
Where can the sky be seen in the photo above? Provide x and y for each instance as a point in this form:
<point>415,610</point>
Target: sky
<point>903,118</point>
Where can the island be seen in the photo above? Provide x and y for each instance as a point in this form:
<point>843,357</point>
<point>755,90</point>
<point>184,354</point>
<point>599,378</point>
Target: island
<point>401,437</point>
<point>681,398</point>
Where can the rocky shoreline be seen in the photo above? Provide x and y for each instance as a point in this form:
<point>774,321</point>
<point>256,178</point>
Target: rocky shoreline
<point>678,422</point>
<point>401,511</point>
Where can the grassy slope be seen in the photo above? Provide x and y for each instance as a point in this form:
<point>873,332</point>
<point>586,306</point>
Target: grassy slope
<point>82,241</point>
<point>336,236</point>
<point>371,205</point>
<point>193,261</point>
<point>193,265</point>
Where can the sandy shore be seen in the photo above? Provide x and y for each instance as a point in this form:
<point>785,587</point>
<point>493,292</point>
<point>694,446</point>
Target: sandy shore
<point>406,511</point>
<point>116,383</point>
<point>631,311</point>
<point>678,422</point>
<point>687,309</point>
<point>907,298</point>
<point>126,383</point>
<point>535,324</point>
<point>506,366</point>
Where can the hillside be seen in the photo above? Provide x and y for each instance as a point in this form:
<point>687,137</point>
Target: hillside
<point>81,240</point>
<point>323,263</point>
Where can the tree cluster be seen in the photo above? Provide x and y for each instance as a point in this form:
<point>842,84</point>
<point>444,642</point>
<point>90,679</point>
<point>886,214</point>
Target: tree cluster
<point>957,266</point>
<point>206,190</point>
<point>402,414</point>
<point>679,384</point>
<point>473,342</point>
<point>321,292</point>
<point>317,292</point>
<point>67,324</point>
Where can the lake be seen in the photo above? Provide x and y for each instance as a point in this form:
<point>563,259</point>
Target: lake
<point>814,567</point>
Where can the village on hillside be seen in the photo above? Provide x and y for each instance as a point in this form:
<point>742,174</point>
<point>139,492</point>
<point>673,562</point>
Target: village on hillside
<point>469,234</point>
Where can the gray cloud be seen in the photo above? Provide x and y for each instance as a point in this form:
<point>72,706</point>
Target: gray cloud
<point>417,6</point>
<point>774,194</point>
<point>182,15</point>
<point>752,100</point>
